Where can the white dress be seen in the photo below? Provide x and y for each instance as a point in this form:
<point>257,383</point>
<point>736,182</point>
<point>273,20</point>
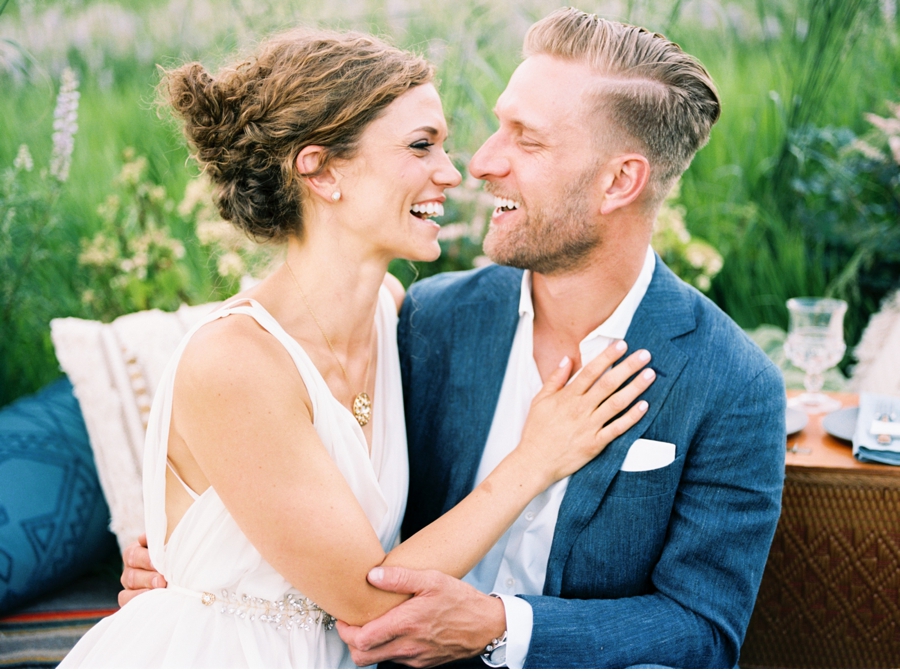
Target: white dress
<point>222,608</point>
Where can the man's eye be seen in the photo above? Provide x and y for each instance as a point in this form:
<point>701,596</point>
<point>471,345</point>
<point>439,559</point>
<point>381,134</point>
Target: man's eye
<point>422,144</point>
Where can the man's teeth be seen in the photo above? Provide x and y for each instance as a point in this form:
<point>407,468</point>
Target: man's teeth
<point>506,204</point>
<point>428,209</point>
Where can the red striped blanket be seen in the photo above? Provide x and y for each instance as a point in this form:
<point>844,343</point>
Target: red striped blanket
<point>40,635</point>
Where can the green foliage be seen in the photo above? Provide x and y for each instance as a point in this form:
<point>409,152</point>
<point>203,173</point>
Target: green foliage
<point>133,263</point>
<point>784,68</point>
<point>848,205</point>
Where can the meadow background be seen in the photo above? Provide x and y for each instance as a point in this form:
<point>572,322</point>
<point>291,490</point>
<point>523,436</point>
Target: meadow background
<point>797,193</point>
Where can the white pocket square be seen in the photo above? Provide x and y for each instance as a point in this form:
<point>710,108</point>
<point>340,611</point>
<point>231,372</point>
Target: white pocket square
<point>648,455</point>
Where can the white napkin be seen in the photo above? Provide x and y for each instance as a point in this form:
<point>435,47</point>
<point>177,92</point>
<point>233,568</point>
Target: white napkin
<point>869,425</point>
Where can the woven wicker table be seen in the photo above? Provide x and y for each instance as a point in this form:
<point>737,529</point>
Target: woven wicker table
<point>830,595</point>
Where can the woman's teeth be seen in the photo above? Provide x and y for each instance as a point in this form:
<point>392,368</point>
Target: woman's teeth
<point>425,210</point>
<point>505,204</point>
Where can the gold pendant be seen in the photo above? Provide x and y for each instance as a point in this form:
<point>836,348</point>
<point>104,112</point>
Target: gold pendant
<point>362,408</point>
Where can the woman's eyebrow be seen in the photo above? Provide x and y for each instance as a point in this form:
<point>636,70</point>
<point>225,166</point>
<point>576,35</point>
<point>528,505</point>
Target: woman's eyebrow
<point>426,129</point>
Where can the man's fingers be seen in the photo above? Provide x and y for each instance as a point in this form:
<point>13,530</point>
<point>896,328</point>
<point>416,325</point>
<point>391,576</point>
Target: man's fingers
<point>137,555</point>
<point>127,595</point>
<point>139,579</point>
<point>402,580</point>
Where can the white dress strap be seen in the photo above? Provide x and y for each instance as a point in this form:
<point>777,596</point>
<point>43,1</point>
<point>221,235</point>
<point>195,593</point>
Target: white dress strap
<point>194,495</point>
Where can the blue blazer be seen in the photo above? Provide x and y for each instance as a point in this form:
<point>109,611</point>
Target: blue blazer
<point>654,567</point>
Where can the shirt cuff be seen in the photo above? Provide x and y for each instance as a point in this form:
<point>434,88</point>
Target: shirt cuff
<point>519,622</point>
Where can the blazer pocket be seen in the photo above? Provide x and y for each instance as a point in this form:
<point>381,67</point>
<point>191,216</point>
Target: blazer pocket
<point>642,484</point>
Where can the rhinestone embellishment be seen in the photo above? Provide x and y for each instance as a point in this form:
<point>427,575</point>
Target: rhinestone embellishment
<point>291,612</point>
<point>362,408</point>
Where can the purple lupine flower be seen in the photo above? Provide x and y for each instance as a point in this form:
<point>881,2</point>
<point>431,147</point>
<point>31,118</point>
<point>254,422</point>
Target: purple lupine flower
<point>65,124</point>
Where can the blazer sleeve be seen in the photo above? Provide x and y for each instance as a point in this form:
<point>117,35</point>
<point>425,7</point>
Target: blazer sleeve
<point>705,583</point>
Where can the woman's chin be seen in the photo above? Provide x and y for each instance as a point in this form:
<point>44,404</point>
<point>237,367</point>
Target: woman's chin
<point>424,253</point>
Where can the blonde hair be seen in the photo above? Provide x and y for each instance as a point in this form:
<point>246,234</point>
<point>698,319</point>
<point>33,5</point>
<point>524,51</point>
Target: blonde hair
<point>658,95</point>
<point>247,124</point>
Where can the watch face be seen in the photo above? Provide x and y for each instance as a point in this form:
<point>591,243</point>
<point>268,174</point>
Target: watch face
<point>498,655</point>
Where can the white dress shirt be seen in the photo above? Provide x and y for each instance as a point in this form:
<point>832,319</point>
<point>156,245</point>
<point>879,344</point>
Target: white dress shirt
<point>517,564</point>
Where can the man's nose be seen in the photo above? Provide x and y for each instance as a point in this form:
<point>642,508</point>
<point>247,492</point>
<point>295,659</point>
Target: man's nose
<point>489,161</point>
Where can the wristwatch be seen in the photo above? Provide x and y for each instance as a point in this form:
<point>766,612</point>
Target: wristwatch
<point>494,654</point>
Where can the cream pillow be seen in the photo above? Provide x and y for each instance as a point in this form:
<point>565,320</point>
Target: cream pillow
<point>115,369</point>
<point>878,352</point>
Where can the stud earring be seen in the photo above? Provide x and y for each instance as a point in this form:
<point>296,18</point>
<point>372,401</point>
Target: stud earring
<point>336,196</point>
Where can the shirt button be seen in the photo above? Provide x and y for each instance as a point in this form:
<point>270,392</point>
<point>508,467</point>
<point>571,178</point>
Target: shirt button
<point>510,582</point>
<point>529,515</point>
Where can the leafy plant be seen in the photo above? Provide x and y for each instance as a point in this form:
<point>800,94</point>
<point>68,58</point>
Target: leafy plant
<point>29,227</point>
<point>847,194</point>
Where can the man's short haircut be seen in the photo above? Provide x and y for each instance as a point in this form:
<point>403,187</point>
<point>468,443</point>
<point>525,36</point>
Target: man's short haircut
<point>659,96</point>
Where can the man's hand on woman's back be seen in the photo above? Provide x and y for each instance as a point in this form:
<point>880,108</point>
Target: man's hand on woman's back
<point>138,574</point>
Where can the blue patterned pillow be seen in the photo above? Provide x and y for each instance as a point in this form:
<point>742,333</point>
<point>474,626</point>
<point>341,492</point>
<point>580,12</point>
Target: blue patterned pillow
<point>53,517</point>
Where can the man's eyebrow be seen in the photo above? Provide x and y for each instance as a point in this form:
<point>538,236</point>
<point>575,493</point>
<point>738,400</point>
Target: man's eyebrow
<point>524,125</point>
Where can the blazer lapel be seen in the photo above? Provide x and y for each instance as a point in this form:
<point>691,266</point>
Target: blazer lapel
<point>663,314</point>
<point>482,339</point>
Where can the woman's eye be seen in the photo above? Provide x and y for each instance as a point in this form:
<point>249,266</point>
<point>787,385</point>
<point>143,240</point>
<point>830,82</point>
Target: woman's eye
<point>422,145</point>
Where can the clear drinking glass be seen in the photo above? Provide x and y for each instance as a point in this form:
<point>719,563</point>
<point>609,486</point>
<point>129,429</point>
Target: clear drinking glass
<point>815,343</point>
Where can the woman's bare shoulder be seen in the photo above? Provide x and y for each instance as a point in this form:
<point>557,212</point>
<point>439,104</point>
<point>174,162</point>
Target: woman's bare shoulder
<point>235,355</point>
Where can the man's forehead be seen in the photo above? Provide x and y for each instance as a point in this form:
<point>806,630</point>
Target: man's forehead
<point>545,92</point>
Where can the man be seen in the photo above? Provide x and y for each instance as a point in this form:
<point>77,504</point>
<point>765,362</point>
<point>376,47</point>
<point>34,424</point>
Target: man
<point>653,553</point>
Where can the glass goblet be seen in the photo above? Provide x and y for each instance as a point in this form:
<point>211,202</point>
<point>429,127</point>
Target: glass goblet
<point>815,343</point>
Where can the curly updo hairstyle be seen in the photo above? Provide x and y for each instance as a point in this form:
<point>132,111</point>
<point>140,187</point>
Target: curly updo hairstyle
<point>247,123</point>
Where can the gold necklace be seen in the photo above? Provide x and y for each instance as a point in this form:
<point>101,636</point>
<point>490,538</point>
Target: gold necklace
<point>362,404</point>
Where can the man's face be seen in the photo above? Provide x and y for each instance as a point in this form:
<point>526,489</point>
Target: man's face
<point>542,165</point>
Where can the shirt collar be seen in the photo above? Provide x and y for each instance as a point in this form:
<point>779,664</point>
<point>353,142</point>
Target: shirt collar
<point>616,326</point>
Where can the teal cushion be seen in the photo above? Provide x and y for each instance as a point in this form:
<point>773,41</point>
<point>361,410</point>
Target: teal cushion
<point>53,517</point>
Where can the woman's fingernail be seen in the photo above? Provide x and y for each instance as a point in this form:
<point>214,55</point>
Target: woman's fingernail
<point>648,374</point>
<point>621,346</point>
<point>565,360</point>
<point>644,355</point>
<point>156,583</point>
<point>642,405</point>
<point>376,574</point>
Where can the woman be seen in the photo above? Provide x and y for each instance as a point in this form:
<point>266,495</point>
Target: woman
<point>275,461</point>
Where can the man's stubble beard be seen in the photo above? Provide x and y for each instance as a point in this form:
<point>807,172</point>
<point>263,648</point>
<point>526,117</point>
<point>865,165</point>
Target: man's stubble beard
<point>552,239</point>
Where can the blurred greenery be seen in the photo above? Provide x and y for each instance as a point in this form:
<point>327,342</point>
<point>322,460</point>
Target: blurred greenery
<point>781,192</point>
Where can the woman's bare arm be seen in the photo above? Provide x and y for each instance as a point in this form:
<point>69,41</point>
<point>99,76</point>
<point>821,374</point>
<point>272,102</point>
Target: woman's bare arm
<point>244,413</point>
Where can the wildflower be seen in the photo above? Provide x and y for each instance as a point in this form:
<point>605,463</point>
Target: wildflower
<point>23,159</point>
<point>196,194</point>
<point>230,265</point>
<point>454,231</point>
<point>65,125</point>
<point>133,171</point>
<point>894,144</point>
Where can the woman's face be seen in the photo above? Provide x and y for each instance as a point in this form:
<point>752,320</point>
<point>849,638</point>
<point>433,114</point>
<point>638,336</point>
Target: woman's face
<point>395,184</point>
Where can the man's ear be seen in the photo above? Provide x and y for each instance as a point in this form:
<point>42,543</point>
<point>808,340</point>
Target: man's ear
<point>323,184</point>
<point>625,178</point>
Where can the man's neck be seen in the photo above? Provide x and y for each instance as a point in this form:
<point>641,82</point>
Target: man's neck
<point>568,306</point>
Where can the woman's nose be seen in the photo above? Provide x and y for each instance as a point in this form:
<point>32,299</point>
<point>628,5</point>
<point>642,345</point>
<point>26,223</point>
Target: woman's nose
<point>448,176</point>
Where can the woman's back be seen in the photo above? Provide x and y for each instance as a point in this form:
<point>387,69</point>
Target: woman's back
<point>225,605</point>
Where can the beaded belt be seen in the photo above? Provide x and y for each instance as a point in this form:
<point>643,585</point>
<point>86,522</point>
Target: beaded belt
<point>291,612</point>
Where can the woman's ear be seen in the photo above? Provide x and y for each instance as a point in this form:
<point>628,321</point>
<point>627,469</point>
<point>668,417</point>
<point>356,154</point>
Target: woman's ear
<point>627,177</point>
<point>325,183</point>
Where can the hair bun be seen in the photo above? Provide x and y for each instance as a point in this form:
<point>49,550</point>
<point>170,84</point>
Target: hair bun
<point>247,123</point>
